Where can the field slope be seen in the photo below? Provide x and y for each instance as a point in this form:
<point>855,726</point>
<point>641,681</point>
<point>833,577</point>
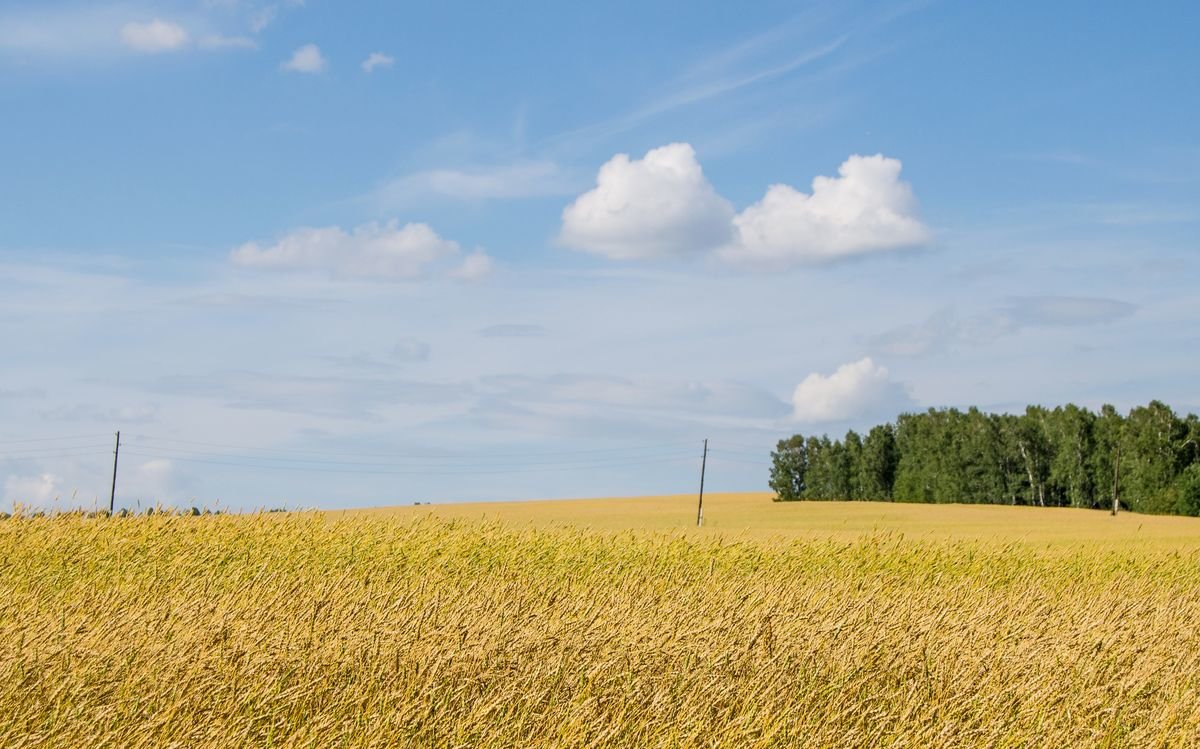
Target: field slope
<point>603,623</point>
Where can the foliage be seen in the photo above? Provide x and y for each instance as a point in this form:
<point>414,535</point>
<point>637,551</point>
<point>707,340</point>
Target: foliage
<point>1061,457</point>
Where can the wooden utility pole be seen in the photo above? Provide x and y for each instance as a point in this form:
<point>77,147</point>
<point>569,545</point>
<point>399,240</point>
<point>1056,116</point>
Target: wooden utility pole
<point>700,505</point>
<point>1116,478</point>
<point>113,496</point>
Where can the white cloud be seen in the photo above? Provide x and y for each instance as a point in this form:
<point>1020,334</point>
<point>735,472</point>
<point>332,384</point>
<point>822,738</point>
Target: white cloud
<point>306,59</point>
<point>475,266</point>
<point>865,209</point>
<point>216,41</point>
<point>150,484</point>
<point>154,36</point>
<point>374,250</point>
<point>658,206</point>
<point>32,490</point>
<point>857,389</point>
<point>523,179</point>
<point>377,60</point>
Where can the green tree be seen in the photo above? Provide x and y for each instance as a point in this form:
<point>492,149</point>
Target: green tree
<point>877,466</point>
<point>789,466</point>
<point>819,479</point>
<point>853,456</point>
<point>1034,447</point>
<point>1107,431</point>
<point>1152,451</point>
<point>1069,431</point>
<point>1186,491</point>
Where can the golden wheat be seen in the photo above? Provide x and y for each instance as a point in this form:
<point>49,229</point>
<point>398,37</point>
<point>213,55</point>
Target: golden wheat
<point>302,630</point>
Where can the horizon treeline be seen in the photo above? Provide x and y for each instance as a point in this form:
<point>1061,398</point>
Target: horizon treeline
<point>1147,460</point>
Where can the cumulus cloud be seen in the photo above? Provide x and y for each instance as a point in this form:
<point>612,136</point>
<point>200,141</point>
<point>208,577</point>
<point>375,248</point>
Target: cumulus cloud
<point>858,389</point>
<point>662,205</point>
<point>658,206</point>
<point>866,209</point>
<point>154,36</point>
<point>32,490</point>
<point>385,251</point>
<point>377,60</point>
<point>306,59</point>
<point>475,266</point>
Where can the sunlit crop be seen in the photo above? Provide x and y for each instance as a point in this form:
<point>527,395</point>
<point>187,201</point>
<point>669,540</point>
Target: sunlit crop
<point>306,630</point>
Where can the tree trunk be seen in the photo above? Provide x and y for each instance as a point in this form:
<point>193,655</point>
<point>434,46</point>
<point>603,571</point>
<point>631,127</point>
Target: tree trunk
<point>1033,485</point>
<point>1116,477</point>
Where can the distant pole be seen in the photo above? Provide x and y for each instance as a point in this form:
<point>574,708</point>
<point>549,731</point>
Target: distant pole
<point>700,505</point>
<point>113,496</point>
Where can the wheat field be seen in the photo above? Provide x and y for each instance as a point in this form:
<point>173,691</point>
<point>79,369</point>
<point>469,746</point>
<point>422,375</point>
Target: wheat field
<point>420,627</point>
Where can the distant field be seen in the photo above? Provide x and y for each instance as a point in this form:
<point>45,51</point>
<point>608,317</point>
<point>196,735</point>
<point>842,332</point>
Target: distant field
<point>605,623</point>
<point>754,515</point>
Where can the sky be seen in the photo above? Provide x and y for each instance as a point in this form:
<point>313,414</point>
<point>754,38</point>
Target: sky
<point>315,254</point>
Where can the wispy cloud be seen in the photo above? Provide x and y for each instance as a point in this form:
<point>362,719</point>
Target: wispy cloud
<point>946,329</point>
<point>521,179</point>
<point>693,89</point>
<point>83,31</point>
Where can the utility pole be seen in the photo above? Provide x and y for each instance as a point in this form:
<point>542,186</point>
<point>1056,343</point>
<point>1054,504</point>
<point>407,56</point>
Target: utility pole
<point>113,496</point>
<point>700,505</point>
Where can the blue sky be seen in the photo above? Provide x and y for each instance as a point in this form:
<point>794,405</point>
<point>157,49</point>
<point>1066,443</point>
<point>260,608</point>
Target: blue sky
<point>337,254</point>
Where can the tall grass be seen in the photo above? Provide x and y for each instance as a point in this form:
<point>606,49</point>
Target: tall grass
<point>297,630</point>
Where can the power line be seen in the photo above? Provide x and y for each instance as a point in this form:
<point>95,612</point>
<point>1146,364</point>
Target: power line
<point>55,447</point>
<point>401,460</point>
<point>49,453</point>
<point>148,440</point>
<point>365,469</point>
<point>54,439</point>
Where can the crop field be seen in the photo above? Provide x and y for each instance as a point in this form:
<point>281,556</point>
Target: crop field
<point>603,623</point>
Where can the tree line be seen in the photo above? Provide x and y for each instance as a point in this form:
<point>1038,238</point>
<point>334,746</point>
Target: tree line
<point>1147,460</point>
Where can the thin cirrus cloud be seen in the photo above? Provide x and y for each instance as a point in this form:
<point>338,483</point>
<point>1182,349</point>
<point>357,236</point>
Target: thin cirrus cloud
<point>947,330</point>
<point>663,206</point>
<point>386,252</point>
<point>217,41</point>
<point>522,179</point>
<point>306,59</point>
<point>855,390</point>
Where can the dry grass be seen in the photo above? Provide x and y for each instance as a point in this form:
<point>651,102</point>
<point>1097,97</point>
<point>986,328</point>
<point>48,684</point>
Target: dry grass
<point>408,630</point>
